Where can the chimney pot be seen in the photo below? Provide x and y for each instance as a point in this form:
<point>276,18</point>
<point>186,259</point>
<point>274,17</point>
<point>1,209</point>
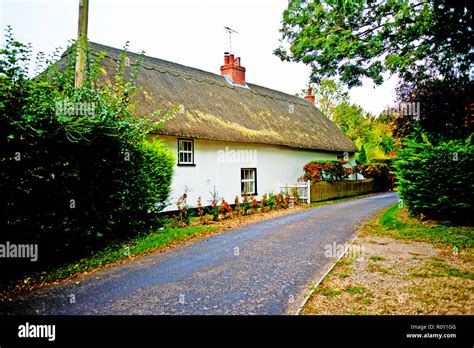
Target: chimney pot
<point>310,97</point>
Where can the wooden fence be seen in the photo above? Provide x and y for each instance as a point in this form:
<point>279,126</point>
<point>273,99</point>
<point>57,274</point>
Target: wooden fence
<point>323,190</point>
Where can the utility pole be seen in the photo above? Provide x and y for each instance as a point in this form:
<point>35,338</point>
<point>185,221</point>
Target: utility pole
<point>81,42</point>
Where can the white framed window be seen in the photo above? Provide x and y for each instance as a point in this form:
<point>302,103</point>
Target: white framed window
<point>185,152</point>
<point>248,180</point>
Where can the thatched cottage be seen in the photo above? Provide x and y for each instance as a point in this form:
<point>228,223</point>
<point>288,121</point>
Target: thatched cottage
<point>232,135</point>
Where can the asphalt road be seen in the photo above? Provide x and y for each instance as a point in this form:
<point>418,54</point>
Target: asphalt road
<point>263,268</point>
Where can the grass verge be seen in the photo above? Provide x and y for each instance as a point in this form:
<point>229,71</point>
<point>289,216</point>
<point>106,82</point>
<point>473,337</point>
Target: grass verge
<point>406,267</point>
<point>396,223</point>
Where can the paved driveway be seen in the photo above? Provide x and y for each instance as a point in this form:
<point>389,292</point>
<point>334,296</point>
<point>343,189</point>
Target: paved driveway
<point>263,268</point>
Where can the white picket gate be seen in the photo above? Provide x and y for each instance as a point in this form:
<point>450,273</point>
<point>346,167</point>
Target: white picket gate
<point>302,188</point>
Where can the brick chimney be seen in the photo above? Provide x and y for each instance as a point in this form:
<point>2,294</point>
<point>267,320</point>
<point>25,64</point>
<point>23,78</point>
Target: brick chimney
<point>310,97</point>
<point>232,69</point>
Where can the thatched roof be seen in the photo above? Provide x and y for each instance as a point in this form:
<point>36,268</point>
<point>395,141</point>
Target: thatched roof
<point>216,110</point>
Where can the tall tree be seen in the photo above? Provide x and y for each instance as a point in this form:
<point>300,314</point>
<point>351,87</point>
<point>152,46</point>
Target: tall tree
<point>365,38</point>
<point>445,108</point>
<point>329,94</point>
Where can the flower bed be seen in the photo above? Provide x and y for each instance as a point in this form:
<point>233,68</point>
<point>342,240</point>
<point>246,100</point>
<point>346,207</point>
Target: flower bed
<point>214,212</point>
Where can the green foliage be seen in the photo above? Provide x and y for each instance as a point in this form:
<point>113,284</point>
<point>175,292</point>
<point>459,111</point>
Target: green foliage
<point>382,171</point>
<point>77,168</point>
<point>245,203</point>
<point>389,219</point>
<point>395,226</point>
<point>270,202</point>
<point>374,133</point>
<point>357,39</point>
<point>444,108</point>
<point>214,208</point>
<point>330,93</point>
<point>362,158</point>
<point>436,179</point>
<point>326,171</point>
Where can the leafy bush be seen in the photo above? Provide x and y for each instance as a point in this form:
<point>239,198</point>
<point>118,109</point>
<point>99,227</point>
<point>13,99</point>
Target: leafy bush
<point>382,171</point>
<point>270,202</point>
<point>70,180</point>
<point>436,179</point>
<point>245,203</point>
<point>326,171</point>
<point>225,209</point>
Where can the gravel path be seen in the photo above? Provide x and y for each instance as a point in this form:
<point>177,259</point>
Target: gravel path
<point>263,268</point>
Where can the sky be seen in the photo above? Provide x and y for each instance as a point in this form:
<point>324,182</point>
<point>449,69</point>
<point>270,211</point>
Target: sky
<point>188,32</point>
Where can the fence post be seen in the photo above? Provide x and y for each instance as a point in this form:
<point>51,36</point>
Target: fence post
<point>308,193</point>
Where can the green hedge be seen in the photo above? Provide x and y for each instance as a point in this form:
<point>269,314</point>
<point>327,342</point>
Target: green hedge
<point>73,183</point>
<point>437,180</point>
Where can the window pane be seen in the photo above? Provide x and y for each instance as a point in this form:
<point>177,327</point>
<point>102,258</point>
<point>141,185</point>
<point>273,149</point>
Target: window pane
<point>246,187</point>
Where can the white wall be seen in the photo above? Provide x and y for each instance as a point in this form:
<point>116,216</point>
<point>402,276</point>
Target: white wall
<point>217,165</point>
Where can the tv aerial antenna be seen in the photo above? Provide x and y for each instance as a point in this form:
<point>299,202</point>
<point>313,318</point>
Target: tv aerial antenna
<point>230,31</point>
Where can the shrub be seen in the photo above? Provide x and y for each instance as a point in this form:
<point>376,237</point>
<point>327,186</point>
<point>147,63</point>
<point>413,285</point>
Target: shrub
<point>238,209</point>
<point>72,182</point>
<point>381,171</point>
<point>270,202</point>
<point>279,200</point>
<point>285,202</point>
<point>263,203</point>
<point>362,157</point>
<point>326,171</point>
<point>214,208</point>
<point>225,209</point>
<point>253,202</point>
<point>436,180</point>
<point>245,203</point>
